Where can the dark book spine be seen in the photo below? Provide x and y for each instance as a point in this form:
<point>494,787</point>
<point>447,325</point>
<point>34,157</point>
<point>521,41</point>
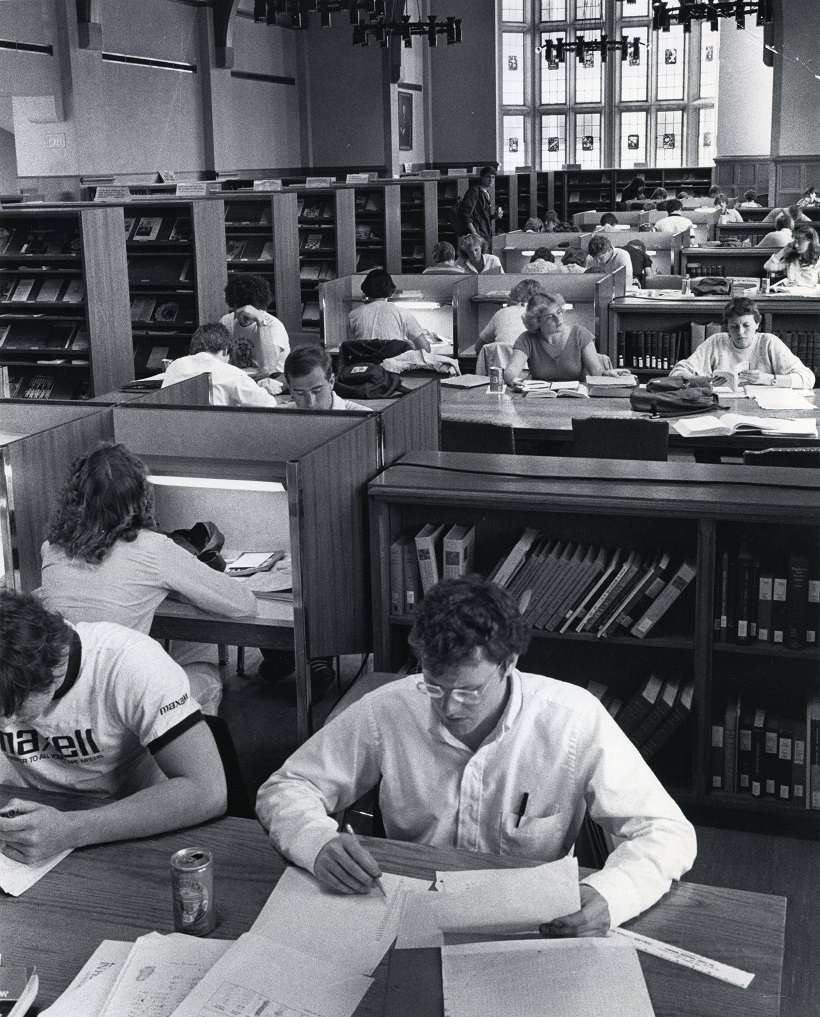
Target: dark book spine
<point>797,602</point>
<point>758,745</point>
<point>744,568</point>
<point>770,759</point>
<point>785,748</point>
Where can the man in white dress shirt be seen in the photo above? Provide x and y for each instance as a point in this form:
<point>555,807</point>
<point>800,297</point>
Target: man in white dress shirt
<point>474,754</point>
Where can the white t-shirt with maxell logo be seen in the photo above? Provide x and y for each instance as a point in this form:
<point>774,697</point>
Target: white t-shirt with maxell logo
<point>128,700</point>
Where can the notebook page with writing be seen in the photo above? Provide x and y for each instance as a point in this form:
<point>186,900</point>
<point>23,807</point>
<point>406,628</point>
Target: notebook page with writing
<point>350,929</point>
<point>530,978</point>
<point>257,976</point>
<point>506,900</point>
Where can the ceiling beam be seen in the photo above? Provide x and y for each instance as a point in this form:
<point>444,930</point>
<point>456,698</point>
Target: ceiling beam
<point>89,24</point>
<point>223,15</point>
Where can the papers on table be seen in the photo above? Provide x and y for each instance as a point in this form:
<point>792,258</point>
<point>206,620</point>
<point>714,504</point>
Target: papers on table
<point>466,381</point>
<point>256,976</point>
<point>778,398</point>
<point>86,995</point>
<point>16,878</point>
<point>352,930</point>
<point>528,978</point>
<point>276,580</point>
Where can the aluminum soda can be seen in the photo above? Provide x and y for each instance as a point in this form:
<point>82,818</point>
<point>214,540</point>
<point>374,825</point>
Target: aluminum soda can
<point>496,380</point>
<point>685,285</point>
<point>192,889</point>
<point>765,284</point>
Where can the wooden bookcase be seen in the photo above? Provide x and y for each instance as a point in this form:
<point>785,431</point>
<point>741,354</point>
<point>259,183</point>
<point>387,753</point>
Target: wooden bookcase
<point>65,330</point>
<point>792,319</point>
<point>261,239</point>
<point>370,227</point>
<point>177,271</point>
<point>327,243</point>
<point>412,225</point>
<point>687,510</point>
<point>725,261</point>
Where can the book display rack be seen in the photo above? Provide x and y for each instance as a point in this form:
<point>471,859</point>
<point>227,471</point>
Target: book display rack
<point>327,243</point>
<point>176,276</point>
<point>449,191</point>
<point>418,225</point>
<point>371,250</point>
<point>654,651</point>
<point>64,323</point>
<point>649,334</point>
<point>261,239</point>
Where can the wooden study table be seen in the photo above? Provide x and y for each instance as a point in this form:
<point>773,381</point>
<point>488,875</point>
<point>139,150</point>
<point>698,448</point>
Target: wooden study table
<point>549,421</point>
<point>121,891</point>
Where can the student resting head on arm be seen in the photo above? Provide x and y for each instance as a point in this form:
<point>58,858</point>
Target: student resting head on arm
<point>574,261</point>
<point>210,354</point>
<point>101,711</point>
<point>104,561</point>
<point>310,378</point>
<point>552,350</point>
<point>799,259</point>
<point>248,296</point>
<point>386,322</point>
<point>444,257</point>
<point>608,222</point>
<point>505,325</point>
<point>457,748</point>
<point>603,257</point>
<point>770,361</point>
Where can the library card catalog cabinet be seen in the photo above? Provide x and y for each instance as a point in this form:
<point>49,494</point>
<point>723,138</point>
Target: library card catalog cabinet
<point>710,536</point>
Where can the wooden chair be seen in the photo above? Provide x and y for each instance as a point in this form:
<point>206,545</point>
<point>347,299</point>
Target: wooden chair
<point>463,436</point>
<point>620,438</point>
<point>801,457</point>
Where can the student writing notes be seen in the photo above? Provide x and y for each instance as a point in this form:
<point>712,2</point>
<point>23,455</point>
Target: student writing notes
<point>310,378</point>
<point>99,710</point>
<point>457,747</point>
<point>770,361</point>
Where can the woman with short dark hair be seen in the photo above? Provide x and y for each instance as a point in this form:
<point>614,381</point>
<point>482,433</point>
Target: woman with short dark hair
<point>379,319</point>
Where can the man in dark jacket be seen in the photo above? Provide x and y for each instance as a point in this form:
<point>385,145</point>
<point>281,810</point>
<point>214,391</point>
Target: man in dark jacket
<point>475,214</point>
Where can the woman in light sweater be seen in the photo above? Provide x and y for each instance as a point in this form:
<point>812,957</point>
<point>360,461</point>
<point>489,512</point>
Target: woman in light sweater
<point>770,361</point>
<point>799,259</point>
<point>105,561</point>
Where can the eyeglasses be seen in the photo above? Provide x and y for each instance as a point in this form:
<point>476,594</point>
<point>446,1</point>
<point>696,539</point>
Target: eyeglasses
<point>459,695</point>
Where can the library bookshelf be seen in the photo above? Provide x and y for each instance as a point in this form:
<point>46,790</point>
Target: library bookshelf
<point>692,512</point>
<point>65,331</point>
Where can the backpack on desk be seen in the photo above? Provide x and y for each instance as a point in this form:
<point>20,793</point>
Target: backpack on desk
<point>674,397</point>
<point>366,381</point>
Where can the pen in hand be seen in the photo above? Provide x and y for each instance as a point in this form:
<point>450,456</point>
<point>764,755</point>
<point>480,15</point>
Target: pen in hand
<point>349,829</point>
<point>522,808</point>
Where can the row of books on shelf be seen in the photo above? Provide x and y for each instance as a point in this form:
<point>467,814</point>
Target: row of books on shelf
<point>370,201</point>
<point>255,249</point>
<point>152,271</point>
<point>661,350</point>
<point>316,243</point>
<point>26,335</point>
<point>559,586</point>
<point>368,260</point>
<point>701,268</point>
<point>165,311</point>
<point>805,346</point>
<point>755,751</point>
<point>365,232</point>
<point>766,602</point>
<point>19,289</point>
<point>310,314</point>
<point>28,242</point>
<point>317,271</point>
<point>47,386</point>
<point>149,227</point>
<point>652,715</point>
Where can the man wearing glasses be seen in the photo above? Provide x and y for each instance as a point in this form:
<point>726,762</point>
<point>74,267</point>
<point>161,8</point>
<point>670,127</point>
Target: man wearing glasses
<point>477,755</point>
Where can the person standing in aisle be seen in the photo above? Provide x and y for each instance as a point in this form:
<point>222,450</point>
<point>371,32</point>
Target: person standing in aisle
<point>248,296</point>
<point>475,211</point>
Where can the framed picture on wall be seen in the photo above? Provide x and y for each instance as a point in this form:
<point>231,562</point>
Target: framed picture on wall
<point>405,121</point>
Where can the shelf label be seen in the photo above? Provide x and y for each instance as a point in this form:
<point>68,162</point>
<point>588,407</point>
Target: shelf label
<point>457,172</point>
<point>319,182</point>
<point>192,189</point>
<point>357,178</point>
<point>433,174</point>
<point>267,185</point>
<point>109,193</point>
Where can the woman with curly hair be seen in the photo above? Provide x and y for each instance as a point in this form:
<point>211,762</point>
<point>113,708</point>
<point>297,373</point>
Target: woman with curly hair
<point>105,561</point>
<point>249,322</point>
<point>800,259</point>
<point>552,350</point>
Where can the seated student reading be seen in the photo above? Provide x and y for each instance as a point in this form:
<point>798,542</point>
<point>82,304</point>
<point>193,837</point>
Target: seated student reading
<point>810,198</point>
<point>249,322</point>
<point>552,350</point>
<point>444,257</point>
<point>310,378</point>
<point>749,200</point>
<point>770,361</point>
<point>542,262</point>
<point>458,746</point>
<point>99,710</point>
<point>603,257</point>
<point>781,235</point>
<point>210,354</point>
<point>799,259</point>
<point>674,221</point>
<point>505,324</point>
<point>104,561</point>
<point>384,321</point>
<point>728,212</point>
<point>472,259</point>
<point>574,261</point>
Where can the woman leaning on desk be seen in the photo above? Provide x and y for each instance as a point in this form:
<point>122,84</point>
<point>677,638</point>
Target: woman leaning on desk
<point>552,350</point>
<point>505,324</point>
<point>105,561</point>
<point>770,361</point>
<point>800,259</point>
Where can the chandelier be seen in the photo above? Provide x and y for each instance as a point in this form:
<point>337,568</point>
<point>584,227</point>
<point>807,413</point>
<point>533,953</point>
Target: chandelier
<point>663,15</point>
<point>555,50</point>
<point>368,18</point>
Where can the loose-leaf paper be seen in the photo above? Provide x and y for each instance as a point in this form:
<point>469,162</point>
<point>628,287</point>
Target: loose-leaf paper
<point>87,993</point>
<point>506,900</point>
<point>16,878</point>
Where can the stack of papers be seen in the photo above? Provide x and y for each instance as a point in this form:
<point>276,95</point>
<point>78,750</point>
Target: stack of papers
<point>778,398</point>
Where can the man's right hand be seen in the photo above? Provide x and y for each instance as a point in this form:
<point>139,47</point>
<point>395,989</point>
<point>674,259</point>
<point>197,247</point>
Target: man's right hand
<point>345,866</point>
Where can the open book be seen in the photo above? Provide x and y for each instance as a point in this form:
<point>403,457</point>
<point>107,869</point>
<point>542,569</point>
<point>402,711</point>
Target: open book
<point>553,389</point>
<point>734,423</point>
